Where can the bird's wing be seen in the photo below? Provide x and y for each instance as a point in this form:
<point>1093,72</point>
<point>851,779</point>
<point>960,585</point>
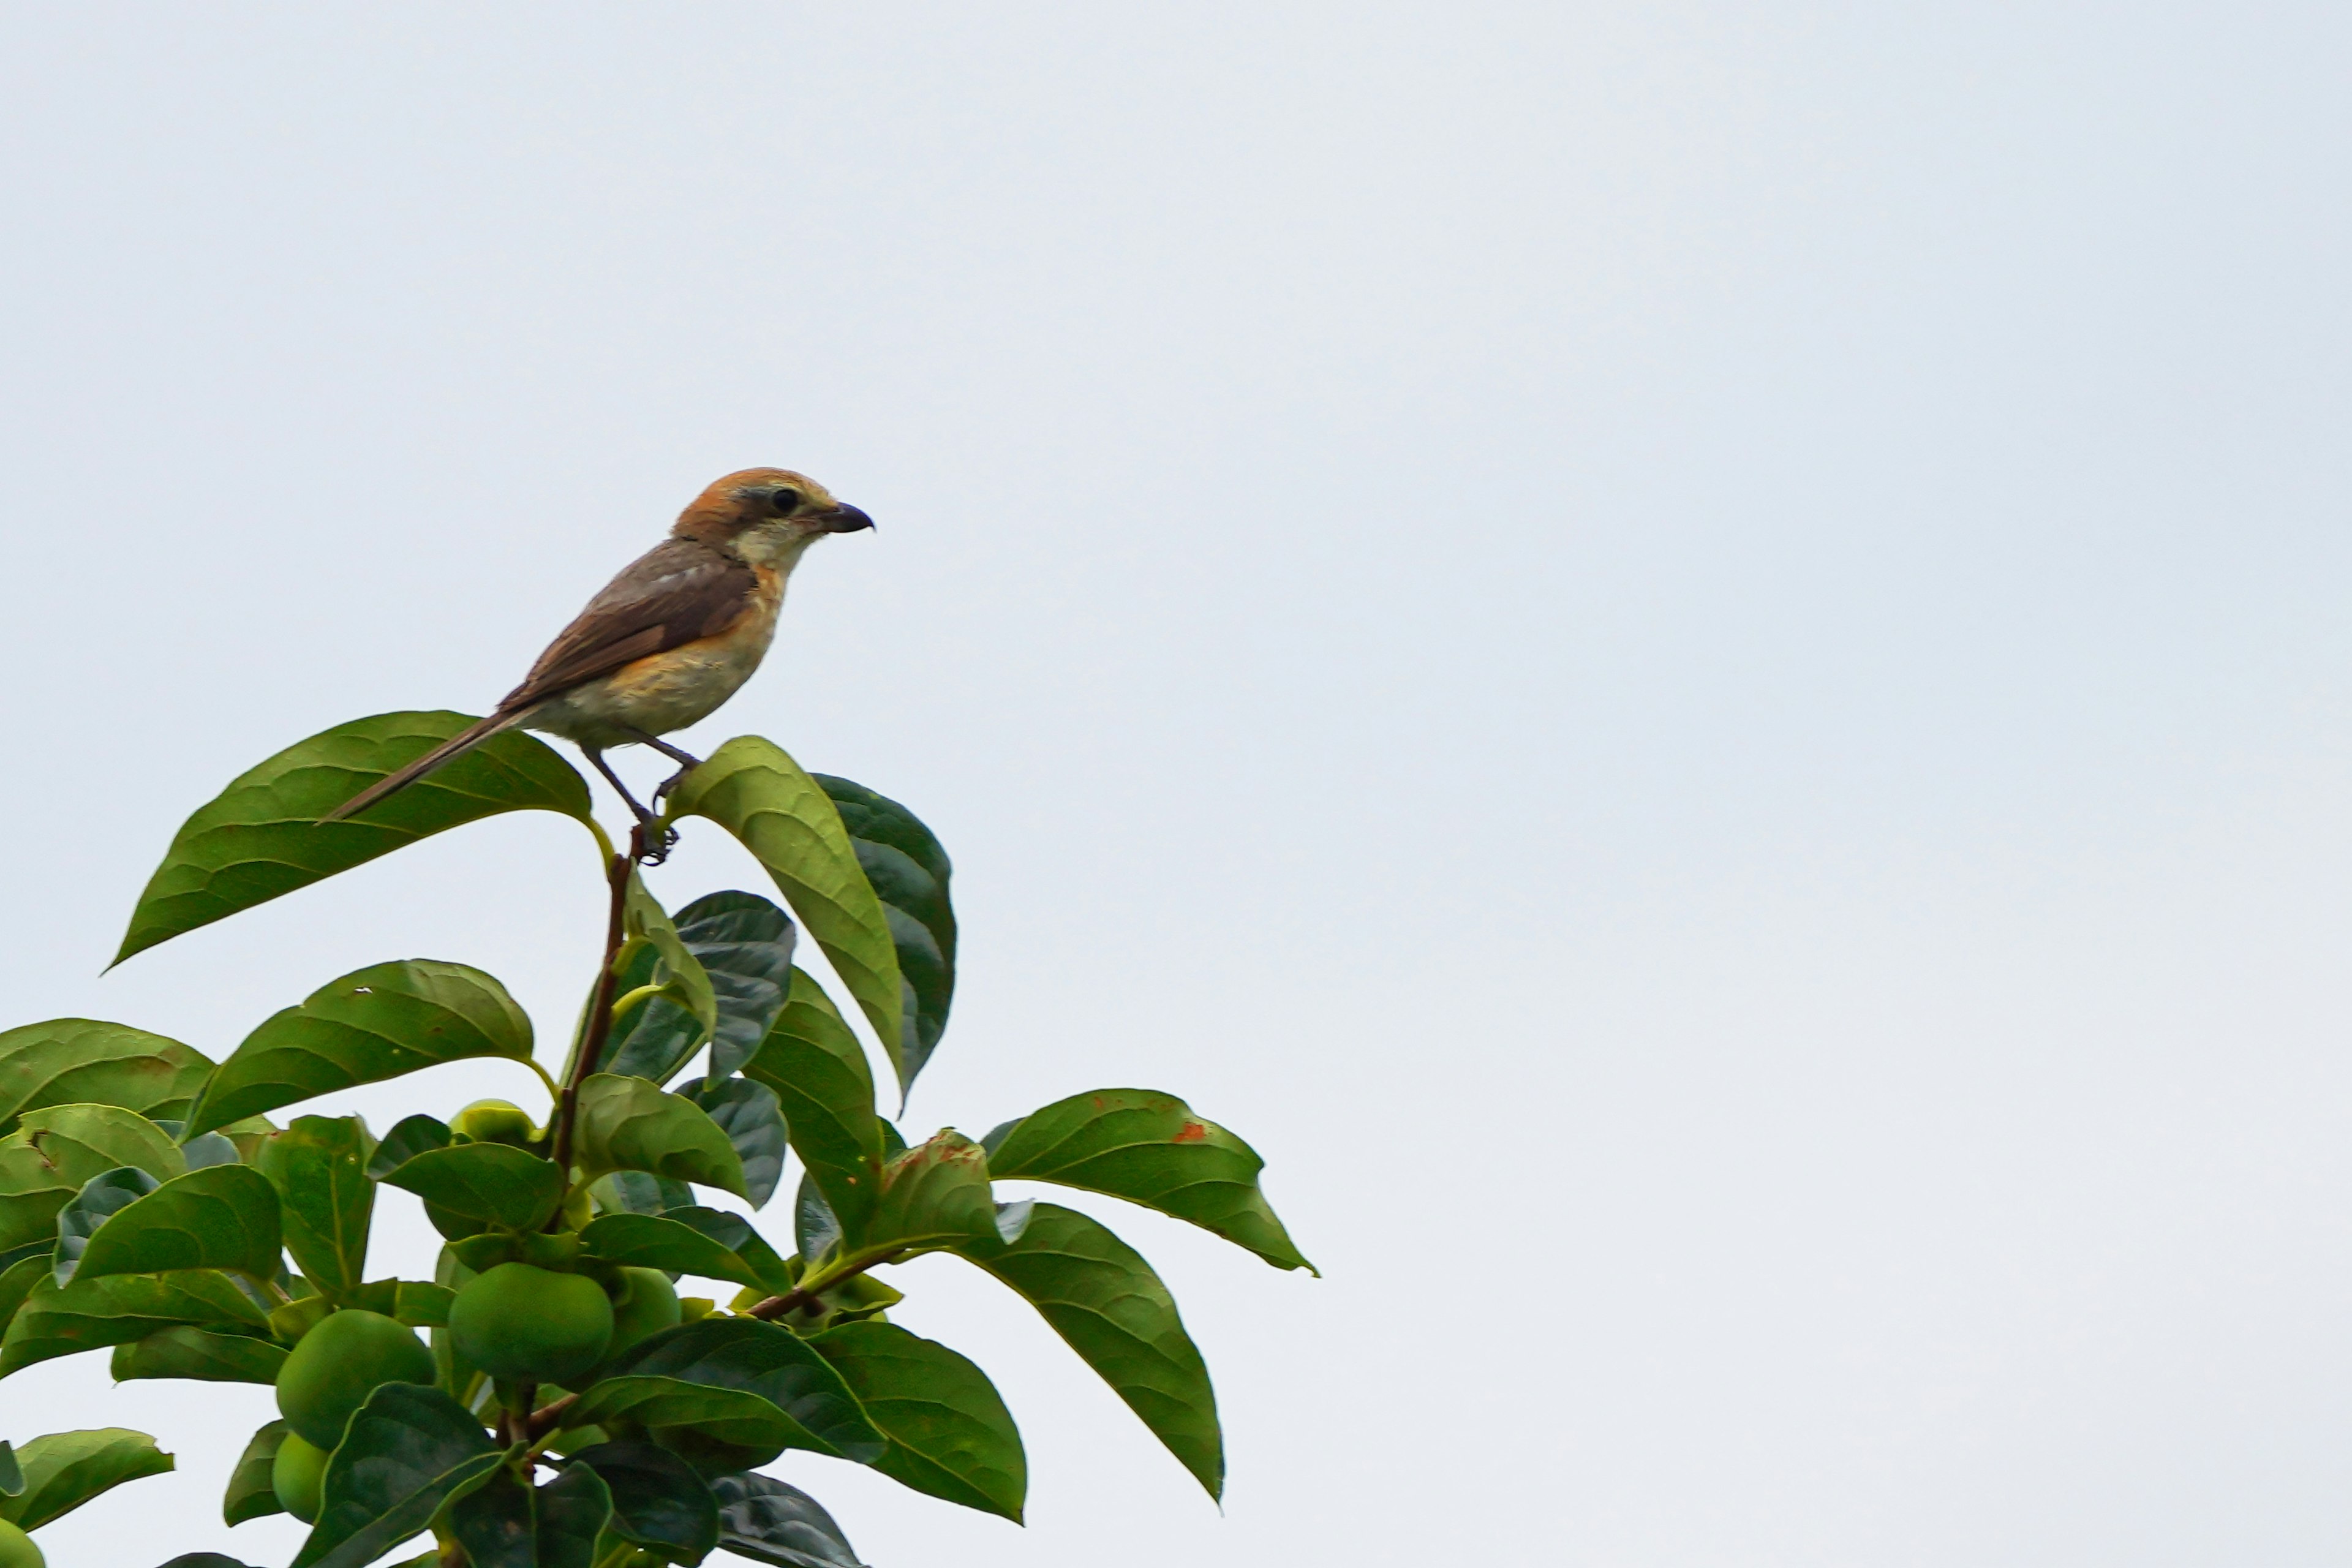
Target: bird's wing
<point>678,591</point>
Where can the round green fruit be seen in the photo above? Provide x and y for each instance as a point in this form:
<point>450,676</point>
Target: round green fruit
<point>647,1304</point>
<point>528,1324</point>
<point>296,1475</point>
<point>339,1364</point>
<point>17,1548</point>
<point>494,1121</point>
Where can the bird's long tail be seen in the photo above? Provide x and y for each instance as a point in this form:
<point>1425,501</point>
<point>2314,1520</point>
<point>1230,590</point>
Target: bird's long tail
<point>457,745</point>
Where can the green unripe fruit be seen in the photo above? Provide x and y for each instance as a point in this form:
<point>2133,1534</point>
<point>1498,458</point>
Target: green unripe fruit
<point>341,1362</point>
<point>494,1121</point>
<point>296,1475</point>
<point>527,1324</point>
<point>648,1305</point>
<point>16,1549</point>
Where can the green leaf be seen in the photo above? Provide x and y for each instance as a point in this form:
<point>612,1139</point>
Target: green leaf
<point>825,1089</point>
<point>12,1475</point>
<point>744,944</point>
<point>251,1493</point>
<point>261,836</point>
<point>64,1470</point>
<point>934,1194</point>
<point>54,1151</point>
<point>816,1229</point>
<point>320,1167</point>
<point>1152,1149</point>
<point>371,1025</point>
<point>703,1242</point>
<point>101,1197</point>
<point>753,1119</point>
<point>1104,1300</point>
<point>785,819</point>
<point>93,1314</point>
<point>196,1353</point>
<point>507,1523</point>
<point>908,871</point>
<point>676,971</point>
<point>626,1124</point>
<point>408,1452</point>
<point>746,1380</point>
<point>422,1306</point>
<point>223,1216</point>
<point>951,1435</point>
<point>633,1192</point>
<point>410,1136</point>
<point>17,1282</point>
<point>658,1500</point>
<point>493,1182</point>
<point>72,1061</point>
<point>770,1522</point>
<point>214,1559</point>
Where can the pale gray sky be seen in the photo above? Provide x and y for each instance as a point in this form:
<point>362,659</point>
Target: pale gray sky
<point>1693,657</point>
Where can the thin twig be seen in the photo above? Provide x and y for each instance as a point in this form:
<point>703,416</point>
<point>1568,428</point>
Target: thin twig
<point>600,1010</point>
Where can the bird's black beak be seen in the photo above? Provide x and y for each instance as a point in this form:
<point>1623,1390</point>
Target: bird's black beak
<point>845,519</point>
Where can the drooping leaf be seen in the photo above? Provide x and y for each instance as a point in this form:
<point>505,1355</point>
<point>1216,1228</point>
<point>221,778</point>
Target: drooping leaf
<point>658,1500</point>
<point>407,1453</point>
<point>319,1166</point>
<point>17,1282</point>
<point>934,1194</point>
<point>373,1024</point>
<point>790,824</point>
<point>677,970</point>
<point>251,1493</point>
<point>101,1197</point>
<point>908,870</point>
<point>491,1182</point>
<point>222,1216</point>
<point>93,1314</point>
<point>1150,1149</point>
<point>410,1136</point>
<point>633,1192</point>
<point>198,1354</point>
<point>1104,1300</point>
<point>753,1119</point>
<point>56,1149</point>
<point>261,836</point>
<point>770,1522</point>
<point>505,1523</point>
<point>573,1511</point>
<point>72,1061</point>
<point>664,1382</point>
<point>951,1435</point>
<point>626,1124</point>
<point>704,1242</point>
<point>744,944</point>
<point>826,1090</point>
<point>64,1470</point>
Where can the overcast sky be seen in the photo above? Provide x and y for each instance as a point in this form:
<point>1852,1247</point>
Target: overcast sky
<point>1692,657</point>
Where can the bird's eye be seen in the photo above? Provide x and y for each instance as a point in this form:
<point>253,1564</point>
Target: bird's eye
<point>785,501</point>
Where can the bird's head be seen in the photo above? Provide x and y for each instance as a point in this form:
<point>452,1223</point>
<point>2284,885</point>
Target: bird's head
<point>767,516</point>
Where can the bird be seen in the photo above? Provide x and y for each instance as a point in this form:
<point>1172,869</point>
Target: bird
<point>676,634</point>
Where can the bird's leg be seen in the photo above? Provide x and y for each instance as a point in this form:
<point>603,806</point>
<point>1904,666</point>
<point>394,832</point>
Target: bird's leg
<point>686,762</point>
<point>656,844</point>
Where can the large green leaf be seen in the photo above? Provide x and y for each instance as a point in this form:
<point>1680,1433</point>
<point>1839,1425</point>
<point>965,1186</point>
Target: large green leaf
<point>935,1193</point>
<point>658,1500</point>
<point>319,1166</point>
<point>704,1242</point>
<point>951,1435</point>
<point>908,870</point>
<point>752,1117</point>
<point>505,1523</point>
<point>17,1282</point>
<point>625,1123</point>
<point>70,1061</point>
<point>491,1182</point>
<point>1102,1298</point>
<point>1150,1149</point>
<point>408,1452</point>
<point>12,1475</point>
<point>744,944</point>
<point>664,1382</point>
<point>251,1493</point>
<point>371,1025</point>
<point>825,1089</point>
<point>56,1149</point>
<point>770,1521</point>
<point>753,790</point>
<point>261,836</point>
<point>196,1353</point>
<point>64,1470</point>
<point>93,1314</point>
<point>222,1216</point>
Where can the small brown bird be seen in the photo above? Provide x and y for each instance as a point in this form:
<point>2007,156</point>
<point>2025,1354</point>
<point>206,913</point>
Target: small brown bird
<point>670,638</point>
